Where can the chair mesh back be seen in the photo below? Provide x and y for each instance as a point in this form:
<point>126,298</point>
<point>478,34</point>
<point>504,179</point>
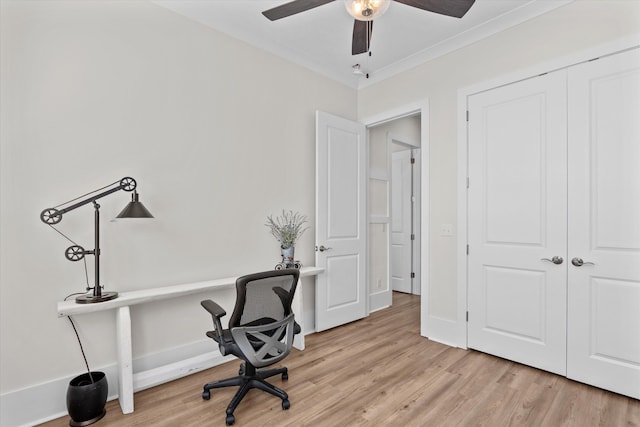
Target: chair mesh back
<point>257,299</point>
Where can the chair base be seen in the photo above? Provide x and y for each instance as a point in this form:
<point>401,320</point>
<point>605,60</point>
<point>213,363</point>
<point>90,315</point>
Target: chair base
<point>249,377</point>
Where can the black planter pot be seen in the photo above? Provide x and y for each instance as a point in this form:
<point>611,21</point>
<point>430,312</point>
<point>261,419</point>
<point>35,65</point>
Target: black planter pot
<point>86,400</point>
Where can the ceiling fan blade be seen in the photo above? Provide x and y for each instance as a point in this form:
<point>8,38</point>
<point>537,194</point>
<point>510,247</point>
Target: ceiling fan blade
<point>293,7</point>
<point>361,36</point>
<point>455,8</point>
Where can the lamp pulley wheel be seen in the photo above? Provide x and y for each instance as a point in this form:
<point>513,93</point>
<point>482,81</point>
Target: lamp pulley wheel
<point>74,253</point>
<point>51,216</point>
<point>128,184</point>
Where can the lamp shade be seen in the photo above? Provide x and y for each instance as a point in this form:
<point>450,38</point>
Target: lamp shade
<point>366,10</point>
<point>135,209</point>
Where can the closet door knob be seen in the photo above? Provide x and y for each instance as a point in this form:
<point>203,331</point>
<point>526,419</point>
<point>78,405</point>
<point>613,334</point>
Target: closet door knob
<point>578,262</point>
<point>556,260</point>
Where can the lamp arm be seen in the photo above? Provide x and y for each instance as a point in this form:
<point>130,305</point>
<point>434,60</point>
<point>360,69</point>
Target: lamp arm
<point>54,216</point>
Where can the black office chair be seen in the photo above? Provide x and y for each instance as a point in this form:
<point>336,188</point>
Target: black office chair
<point>260,332</point>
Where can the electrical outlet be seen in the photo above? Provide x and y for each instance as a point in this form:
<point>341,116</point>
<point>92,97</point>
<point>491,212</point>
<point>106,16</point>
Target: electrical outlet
<point>446,229</point>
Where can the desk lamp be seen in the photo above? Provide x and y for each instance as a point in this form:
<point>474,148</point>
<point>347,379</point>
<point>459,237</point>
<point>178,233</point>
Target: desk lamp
<point>134,209</point>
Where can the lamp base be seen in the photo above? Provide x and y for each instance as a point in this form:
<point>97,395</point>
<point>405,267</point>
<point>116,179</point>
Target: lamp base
<point>90,298</point>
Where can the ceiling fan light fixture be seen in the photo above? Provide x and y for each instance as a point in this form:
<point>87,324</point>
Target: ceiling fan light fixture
<point>366,10</point>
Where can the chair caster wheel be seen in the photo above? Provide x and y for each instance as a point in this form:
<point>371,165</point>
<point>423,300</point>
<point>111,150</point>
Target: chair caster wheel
<point>230,420</point>
<point>286,404</point>
<point>206,395</point>
<point>285,376</point>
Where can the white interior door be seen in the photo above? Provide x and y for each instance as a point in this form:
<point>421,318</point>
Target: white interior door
<point>341,209</point>
<point>517,174</point>
<point>401,221</point>
<point>604,223</point>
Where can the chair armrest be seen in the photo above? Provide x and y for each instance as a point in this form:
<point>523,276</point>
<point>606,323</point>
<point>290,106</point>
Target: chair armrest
<point>217,313</point>
<point>213,308</point>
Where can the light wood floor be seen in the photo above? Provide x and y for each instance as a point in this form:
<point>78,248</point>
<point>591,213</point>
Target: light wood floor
<point>379,372</point>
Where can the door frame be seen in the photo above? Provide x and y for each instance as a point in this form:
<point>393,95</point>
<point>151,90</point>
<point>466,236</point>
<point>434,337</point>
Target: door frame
<point>422,108</point>
<point>454,332</point>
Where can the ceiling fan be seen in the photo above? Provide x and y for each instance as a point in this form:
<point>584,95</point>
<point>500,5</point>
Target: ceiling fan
<point>364,11</point>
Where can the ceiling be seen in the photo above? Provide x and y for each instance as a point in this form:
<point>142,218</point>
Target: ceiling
<point>320,38</point>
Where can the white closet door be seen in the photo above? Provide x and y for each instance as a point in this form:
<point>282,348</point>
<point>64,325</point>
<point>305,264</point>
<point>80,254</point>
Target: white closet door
<point>517,217</point>
<point>604,223</point>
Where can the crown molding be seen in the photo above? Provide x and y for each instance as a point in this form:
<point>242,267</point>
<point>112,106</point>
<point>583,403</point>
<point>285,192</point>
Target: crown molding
<point>498,24</point>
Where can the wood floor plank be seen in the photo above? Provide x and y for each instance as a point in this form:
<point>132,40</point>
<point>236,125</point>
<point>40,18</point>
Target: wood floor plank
<point>379,371</point>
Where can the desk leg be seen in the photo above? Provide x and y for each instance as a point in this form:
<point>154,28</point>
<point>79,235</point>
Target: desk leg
<point>125,355</point>
<point>297,308</point>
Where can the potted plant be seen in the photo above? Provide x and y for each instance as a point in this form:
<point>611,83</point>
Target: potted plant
<point>287,229</point>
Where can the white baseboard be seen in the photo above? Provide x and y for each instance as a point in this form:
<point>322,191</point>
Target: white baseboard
<point>173,371</point>
<point>378,301</point>
<point>47,401</point>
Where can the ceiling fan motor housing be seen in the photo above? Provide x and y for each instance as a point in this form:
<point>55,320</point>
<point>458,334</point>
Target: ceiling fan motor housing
<point>366,10</point>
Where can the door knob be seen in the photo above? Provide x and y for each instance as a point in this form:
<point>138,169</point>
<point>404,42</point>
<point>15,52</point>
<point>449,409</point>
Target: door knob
<point>322,248</point>
<point>556,260</point>
<point>578,262</point>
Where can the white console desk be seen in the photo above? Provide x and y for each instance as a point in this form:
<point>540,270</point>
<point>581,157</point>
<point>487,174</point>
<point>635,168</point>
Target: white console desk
<point>123,320</point>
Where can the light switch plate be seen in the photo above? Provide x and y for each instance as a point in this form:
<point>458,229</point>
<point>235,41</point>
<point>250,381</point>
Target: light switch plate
<point>446,229</point>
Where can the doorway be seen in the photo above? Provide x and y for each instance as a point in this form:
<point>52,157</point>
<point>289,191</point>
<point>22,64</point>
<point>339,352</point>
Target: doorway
<point>394,208</point>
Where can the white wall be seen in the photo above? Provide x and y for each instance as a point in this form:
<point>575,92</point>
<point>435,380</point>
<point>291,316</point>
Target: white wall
<point>573,27</point>
<point>217,133</point>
